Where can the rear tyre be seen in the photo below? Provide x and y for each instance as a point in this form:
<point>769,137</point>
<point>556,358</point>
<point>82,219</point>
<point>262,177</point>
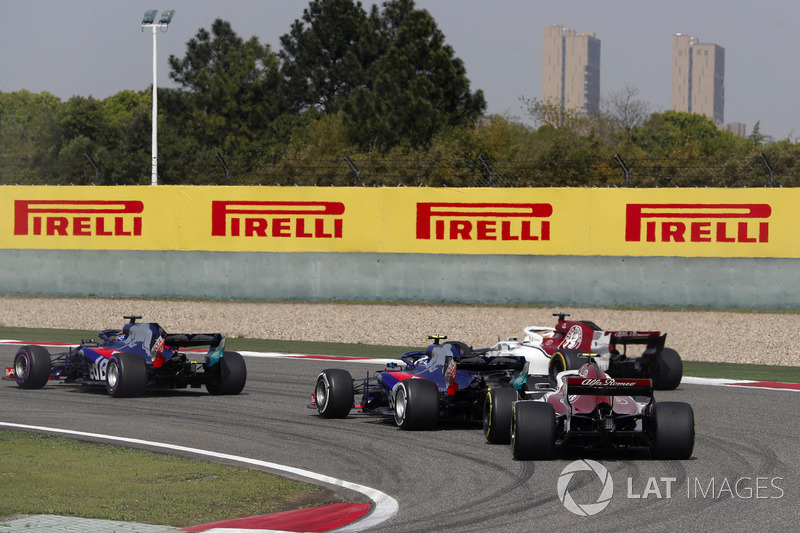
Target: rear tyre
<point>333,393</point>
<point>497,408</point>
<point>563,360</point>
<point>533,431</point>
<point>126,375</point>
<point>32,367</point>
<point>674,430</point>
<point>232,375</point>
<point>669,370</point>
<point>416,404</point>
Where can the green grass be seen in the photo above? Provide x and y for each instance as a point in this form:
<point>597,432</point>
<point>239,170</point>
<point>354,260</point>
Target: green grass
<point>701,369</point>
<point>41,474</point>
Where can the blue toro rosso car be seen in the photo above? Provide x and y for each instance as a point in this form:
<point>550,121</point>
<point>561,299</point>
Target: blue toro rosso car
<point>130,360</point>
<point>446,380</point>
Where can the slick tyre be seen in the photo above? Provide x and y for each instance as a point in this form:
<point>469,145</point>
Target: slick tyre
<point>126,375</point>
<point>673,430</point>
<point>497,408</point>
<point>333,393</point>
<point>32,367</point>
<point>668,371</point>
<point>533,431</point>
<point>416,404</point>
<point>232,375</point>
<point>563,360</point>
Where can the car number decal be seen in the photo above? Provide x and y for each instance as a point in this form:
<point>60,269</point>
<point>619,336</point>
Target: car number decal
<point>97,372</point>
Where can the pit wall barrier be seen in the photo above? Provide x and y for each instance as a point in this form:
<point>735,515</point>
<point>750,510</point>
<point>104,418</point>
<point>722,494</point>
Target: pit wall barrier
<point>672,247</point>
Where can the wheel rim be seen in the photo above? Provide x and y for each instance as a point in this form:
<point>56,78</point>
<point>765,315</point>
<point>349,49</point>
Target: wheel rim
<point>112,375</point>
<point>400,405</point>
<point>21,366</point>
<point>321,395</point>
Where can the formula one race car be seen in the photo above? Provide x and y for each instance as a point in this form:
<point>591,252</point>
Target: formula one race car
<point>557,349</point>
<point>128,361</point>
<point>444,380</point>
<point>589,409</point>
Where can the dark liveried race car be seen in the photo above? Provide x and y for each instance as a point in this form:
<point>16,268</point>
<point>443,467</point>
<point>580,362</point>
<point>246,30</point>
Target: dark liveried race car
<point>589,409</point>
<point>445,380</point>
<point>127,361</point>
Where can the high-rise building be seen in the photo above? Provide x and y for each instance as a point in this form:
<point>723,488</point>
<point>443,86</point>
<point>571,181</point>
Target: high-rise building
<point>571,69</point>
<point>698,77</point>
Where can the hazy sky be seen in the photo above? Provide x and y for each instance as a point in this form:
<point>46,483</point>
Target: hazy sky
<point>96,47</point>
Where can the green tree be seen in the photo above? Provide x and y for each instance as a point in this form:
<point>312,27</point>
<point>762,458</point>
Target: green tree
<point>326,55</point>
<point>419,87</point>
<point>129,118</point>
<point>678,133</point>
<point>233,86</point>
<point>84,130</point>
<point>30,137</point>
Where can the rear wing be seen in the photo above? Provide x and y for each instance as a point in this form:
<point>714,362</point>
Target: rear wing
<point>186,340</point>
<point>214,341</point>
<point>654,340</point>
<point>576,385</point>
<point>490,364</point>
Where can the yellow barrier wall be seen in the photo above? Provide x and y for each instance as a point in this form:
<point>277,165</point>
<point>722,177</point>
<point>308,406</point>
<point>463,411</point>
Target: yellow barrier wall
<point>583,222</point>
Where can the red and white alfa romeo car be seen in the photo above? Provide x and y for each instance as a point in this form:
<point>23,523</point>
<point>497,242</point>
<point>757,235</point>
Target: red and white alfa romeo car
<point>551,350</point>
<point>589,409</point>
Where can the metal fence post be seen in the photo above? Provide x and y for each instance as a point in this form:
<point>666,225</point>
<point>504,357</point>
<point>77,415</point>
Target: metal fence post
<point>354,168</point>
<point>621,163</point>
<point>225,168</point>
<point>769,167</point>
<point>485,164</point>
<point>91,162</point>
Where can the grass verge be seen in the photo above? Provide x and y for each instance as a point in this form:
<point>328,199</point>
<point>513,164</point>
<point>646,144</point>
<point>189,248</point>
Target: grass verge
<point>42,474</point>
<point>702,369</point>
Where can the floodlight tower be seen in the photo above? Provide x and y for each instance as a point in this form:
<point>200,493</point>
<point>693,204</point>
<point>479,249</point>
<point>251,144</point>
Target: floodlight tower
<point>148,21</point>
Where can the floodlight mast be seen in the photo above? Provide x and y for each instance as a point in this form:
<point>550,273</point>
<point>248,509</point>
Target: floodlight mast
<point>148,21</point>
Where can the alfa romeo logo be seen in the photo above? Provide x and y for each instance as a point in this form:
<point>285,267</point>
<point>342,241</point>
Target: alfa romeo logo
<point>573,338</point>
<point>585,509</point>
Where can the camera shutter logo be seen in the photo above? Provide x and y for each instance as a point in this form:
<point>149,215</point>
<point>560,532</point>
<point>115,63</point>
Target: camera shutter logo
<point>586,509</point>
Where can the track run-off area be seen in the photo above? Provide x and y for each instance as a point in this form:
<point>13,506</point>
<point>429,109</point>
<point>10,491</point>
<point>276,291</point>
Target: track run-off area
<point>743,475</point>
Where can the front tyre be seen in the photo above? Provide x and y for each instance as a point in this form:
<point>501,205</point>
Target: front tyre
<point>126,375</point>
<point>333,393</point>
<point>669,370</point>
<point>32,367</point>
<point>416,404</point>
<point>231,377</point>
<point>674,430</point>
<point>533,430</point>
<point>497,408</point>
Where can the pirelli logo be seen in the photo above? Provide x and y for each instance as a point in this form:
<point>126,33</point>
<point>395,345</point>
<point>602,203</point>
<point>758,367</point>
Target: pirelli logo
<point>80,218</point>
<point>309,220</point>
<point>721,223</point>
<point>483,222</point>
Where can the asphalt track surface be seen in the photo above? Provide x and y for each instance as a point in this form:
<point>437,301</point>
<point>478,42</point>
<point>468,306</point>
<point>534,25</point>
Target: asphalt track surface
<point>743,476</point>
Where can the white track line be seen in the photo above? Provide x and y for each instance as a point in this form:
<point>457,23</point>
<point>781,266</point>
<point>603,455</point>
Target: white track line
<point>385,506</point>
